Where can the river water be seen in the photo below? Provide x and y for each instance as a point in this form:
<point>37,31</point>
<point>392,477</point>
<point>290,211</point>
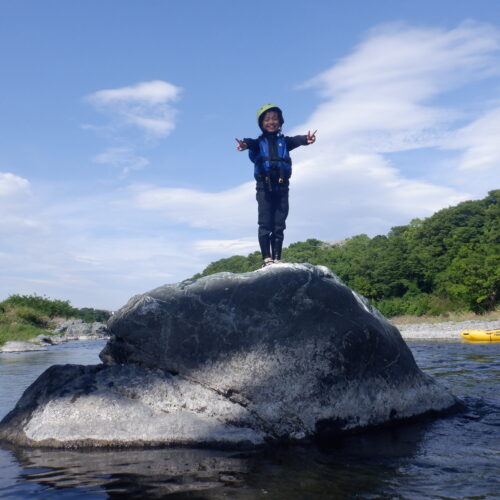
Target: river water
<point>454,457</point>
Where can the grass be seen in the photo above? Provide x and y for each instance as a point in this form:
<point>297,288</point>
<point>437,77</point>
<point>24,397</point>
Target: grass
<point>20,322</point>
<point>19,331</point>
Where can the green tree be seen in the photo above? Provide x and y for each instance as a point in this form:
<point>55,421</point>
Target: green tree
<point>445,262</point>
<point>472,278</point>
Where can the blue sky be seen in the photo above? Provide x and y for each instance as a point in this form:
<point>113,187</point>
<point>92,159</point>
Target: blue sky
<point>118,167</point>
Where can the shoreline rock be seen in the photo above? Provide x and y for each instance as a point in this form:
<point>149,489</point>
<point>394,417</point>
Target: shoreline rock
<point>283,354</point>
<point>21,346</point>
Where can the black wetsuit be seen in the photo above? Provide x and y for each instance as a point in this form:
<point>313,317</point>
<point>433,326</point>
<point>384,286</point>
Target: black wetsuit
<point>272,197</point>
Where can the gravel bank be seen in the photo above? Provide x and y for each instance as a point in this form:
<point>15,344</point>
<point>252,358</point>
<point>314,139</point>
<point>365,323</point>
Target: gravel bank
<point>449,330</point>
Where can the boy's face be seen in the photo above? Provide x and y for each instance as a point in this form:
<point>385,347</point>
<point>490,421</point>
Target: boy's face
<point>271,121</point>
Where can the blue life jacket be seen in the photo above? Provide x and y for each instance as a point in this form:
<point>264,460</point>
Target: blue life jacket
<point>264,164</point>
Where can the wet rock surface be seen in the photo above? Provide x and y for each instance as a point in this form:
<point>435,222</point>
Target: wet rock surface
<point>284,353</point>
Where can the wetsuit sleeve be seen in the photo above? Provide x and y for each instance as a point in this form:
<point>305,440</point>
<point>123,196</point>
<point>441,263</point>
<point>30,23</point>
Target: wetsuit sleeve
<point>253,144</point>
<point>295,141</point>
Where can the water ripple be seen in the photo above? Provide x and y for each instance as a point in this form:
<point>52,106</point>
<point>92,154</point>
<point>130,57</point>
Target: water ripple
<point>455,457</point>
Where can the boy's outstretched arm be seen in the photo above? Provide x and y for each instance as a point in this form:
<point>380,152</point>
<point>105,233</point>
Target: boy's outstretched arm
<point>242,145</point>
<point>247,143</point>
<point>300,140</point>
<point>311,138</point>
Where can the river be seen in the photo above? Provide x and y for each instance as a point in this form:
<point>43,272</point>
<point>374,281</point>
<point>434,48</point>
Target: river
<point>455,457</point>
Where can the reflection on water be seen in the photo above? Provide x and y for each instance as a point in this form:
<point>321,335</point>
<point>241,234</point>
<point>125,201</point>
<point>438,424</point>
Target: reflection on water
<point>487,358</point>
<point>355,464</point>
<point>139,473</point>
<point>452,457</point>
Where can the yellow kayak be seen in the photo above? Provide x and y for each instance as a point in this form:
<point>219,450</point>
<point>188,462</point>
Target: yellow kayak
<point>481,335</point>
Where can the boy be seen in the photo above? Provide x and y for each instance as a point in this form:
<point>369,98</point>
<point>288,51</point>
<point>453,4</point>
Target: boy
<point>272,171</point>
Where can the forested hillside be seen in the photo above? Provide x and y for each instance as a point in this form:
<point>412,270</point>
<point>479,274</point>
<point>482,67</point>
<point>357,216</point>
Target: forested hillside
<point>447,262</point>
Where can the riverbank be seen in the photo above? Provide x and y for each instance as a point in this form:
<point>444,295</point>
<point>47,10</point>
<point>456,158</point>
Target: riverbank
<point>446,330</point>
<point>64,331</point>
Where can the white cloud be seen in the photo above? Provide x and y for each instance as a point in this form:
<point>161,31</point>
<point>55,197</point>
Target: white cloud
<point>13,185</point>
<point>146,105</point>
<point>380,97</point>
<point>227,211</point>
<point>338,197</point>
<point>153,93</point>
<point>242,246</point>
<point>122,157</point>
<point>480,141</point>
<point>16,201</point>
<point>94,250</point>
<point>412,63</point>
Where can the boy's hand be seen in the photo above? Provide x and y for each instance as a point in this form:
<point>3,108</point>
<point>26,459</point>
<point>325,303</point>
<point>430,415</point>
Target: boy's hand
<point>311,138</point>
<point>242,145</point>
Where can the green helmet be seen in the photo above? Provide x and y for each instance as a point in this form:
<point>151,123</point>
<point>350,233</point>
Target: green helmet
<point>269,107</point>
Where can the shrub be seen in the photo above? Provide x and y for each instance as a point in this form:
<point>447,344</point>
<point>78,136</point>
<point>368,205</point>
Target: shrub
<point>18,332</point>
<point>417,305</point>
<point>30,315</point>
<point>391,307</point>
<point>43,305</point>
<point>89,315</point>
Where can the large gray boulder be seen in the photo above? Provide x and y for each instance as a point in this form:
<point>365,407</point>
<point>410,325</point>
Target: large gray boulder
<point>287,352</point>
